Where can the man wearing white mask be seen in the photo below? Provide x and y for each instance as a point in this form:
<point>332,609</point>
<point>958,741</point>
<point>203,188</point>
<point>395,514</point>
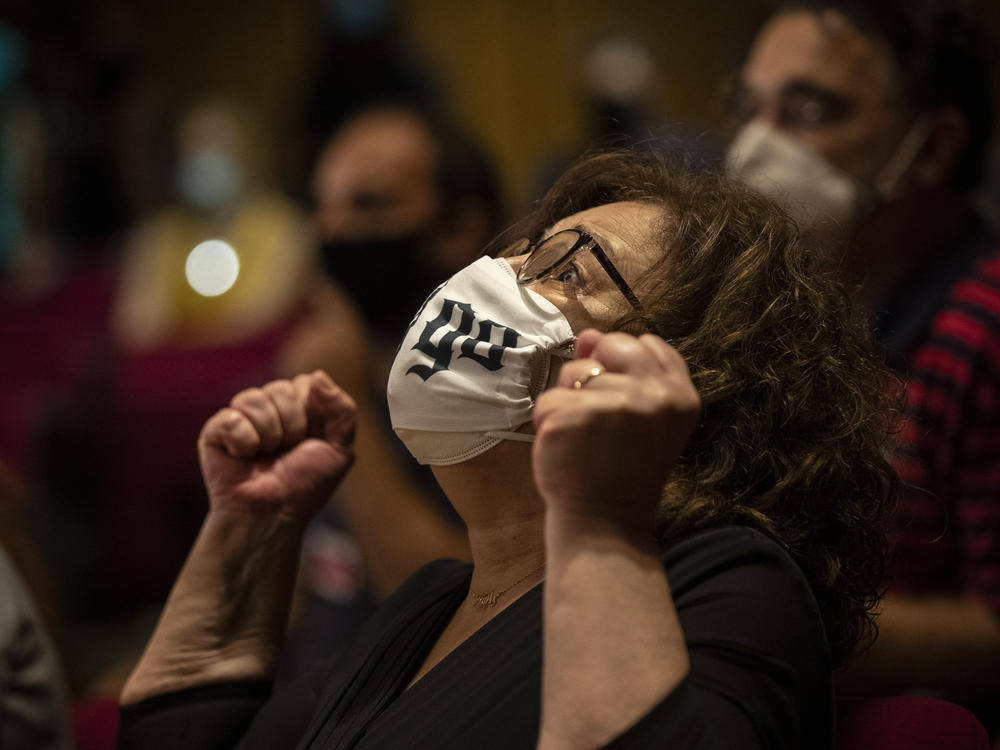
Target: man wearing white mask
<point>870,120</point>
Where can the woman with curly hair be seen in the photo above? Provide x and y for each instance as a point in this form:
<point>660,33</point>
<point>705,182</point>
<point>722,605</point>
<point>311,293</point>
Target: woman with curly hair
<point>658,403</point>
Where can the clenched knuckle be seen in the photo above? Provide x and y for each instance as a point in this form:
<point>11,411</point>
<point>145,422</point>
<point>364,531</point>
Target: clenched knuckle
<point>350,405</point>
<point>617,344</point>
<point>552,432</point>
<point>249,398</point>
<point>280,388</point>
<point>694,400</point>
<point>614,338</point>
<point>649,395</point>
<point>545,399</point>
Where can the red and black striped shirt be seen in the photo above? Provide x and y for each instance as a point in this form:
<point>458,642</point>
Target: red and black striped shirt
<point>947,530</point>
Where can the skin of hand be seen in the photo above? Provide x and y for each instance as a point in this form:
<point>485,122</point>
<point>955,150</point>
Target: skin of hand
<point>632,421</point>
<point>270,460</point>
<point>601,456</point>
<point>281,448</point>
<point>393,518</point>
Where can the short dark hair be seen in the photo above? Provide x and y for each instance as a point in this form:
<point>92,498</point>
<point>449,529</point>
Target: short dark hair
<point>942,57</point>
<point>464,172</point>
<point>462,169</point>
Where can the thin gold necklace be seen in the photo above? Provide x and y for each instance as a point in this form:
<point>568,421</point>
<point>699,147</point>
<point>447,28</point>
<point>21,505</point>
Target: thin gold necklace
<point>489,599</point>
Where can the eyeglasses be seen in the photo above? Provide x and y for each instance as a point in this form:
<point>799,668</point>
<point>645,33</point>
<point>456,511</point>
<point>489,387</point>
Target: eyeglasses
<point>800,105</point>
<point>554,257</point>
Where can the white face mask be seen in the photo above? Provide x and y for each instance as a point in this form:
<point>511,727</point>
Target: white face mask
<point>816,193</point>
<point>472,362</point>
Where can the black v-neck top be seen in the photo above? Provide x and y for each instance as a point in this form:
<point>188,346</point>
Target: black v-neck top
<point>760,671</point>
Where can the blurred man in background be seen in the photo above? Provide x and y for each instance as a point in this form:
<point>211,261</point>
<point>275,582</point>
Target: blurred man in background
<point>870,120</point>
<point>402,202</point>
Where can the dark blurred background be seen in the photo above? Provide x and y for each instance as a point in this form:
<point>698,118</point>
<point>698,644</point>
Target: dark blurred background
<point>130,128</point>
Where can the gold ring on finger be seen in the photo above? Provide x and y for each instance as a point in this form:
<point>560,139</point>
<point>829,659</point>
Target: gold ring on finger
<point>591,374</point>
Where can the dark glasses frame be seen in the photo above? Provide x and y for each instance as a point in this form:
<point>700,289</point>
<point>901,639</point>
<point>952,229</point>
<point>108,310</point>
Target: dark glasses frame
<point>584,241</point>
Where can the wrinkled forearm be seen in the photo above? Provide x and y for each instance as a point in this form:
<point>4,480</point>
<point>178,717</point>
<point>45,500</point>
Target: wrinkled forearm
<point>226,615</point>
<point>613,646</point>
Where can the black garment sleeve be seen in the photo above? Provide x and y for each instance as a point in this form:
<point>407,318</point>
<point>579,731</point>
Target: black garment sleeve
<point>760,671</point>
<point>244,715</point>
<point>206,717</point>
<point>224,716</point>
<point>760,667</point>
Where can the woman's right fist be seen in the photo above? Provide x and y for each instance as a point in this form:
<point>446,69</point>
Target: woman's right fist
<point>280,449</point>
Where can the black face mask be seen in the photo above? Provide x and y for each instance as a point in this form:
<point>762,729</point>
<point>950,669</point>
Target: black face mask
<point>387,278</point>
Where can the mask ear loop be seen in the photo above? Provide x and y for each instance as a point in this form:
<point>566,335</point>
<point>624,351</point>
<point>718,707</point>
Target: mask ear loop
<point>539,378</point>
<point>886,183</point>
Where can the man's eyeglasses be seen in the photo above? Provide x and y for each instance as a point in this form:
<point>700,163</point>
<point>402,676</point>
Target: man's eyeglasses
<point>799,105</point>
<point>553,258</point>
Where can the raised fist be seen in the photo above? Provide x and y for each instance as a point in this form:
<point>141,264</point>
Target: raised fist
<point>280,449</point>
<point>610,430</point>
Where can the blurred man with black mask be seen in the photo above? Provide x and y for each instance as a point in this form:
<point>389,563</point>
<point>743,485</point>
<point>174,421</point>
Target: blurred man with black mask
<point>869,119</point>
<point>402,202</point>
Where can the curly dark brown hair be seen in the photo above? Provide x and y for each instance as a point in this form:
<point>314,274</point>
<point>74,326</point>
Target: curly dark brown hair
<point>798,408</point>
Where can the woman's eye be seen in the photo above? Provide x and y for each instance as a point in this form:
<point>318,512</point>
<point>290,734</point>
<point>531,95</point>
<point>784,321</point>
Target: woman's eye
<point>569,274</point>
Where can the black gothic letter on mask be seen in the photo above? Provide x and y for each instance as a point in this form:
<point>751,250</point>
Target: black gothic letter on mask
<point>441,352</point>
<point>492,360</point>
